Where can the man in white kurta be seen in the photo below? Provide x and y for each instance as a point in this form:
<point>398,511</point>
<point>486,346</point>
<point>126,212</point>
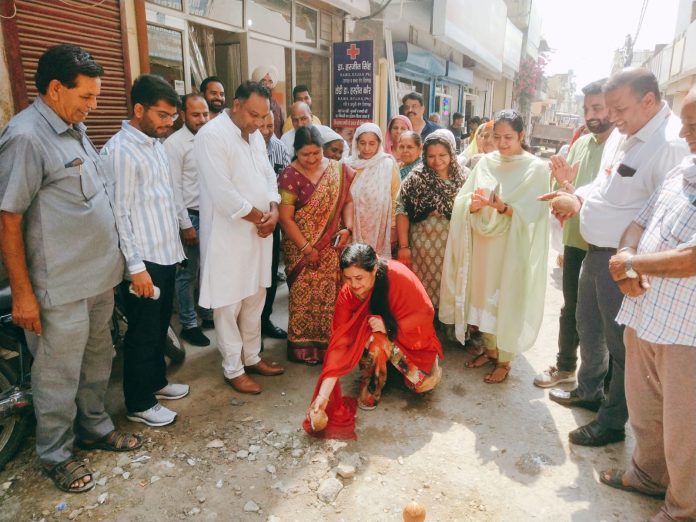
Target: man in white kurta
<point>238,212</point>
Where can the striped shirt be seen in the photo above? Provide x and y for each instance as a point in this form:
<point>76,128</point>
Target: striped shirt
<point>278,155</point>
<point>666,312</point>
<point>145,206</point>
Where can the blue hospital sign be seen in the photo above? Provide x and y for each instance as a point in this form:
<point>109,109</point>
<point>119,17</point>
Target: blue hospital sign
<point>353,83</point>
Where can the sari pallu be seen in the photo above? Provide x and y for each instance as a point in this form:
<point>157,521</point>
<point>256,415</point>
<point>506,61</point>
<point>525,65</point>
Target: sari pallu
<point>350,332</point>
<point>313,290</point>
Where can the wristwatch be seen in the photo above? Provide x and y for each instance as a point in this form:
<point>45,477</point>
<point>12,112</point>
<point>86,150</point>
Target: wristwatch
<point>628,268</point>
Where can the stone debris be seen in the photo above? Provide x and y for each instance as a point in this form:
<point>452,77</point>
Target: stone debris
<point>201,500</point>
<point>400,460</point>
<point>271,469</point>
<point>273,518</point>
<point>251,507</point>
<point>532,463</point>
<point>6,485</point>
<point>103,497</point>
<point>191,462</point>
<point>236,402</point>
<point>142,459</point>
<point>218,484</point>
<point>242,454</point>
<point>329,490</point>
<point>126,475</point>
<point>215,443</point>
<point>254,448</point>
<point>193,511</point>
<point>118,470</point>
<point>101,481</point>
<point>351,459</point>
<point>74,514</point>
<point>154,478</point>
<point>345,471</point>
<point>297,453</point>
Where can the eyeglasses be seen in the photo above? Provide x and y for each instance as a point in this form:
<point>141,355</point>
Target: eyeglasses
<point>164,116</point>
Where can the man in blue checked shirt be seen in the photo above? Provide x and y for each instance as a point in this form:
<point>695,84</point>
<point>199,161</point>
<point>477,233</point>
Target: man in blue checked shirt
<point>655,268</point>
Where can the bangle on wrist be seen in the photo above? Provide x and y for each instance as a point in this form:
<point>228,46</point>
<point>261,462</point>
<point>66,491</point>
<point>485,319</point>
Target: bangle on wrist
<point>504,209</point>
<point>405,247</point>
<point>304,246</point>
<point>624,249</point>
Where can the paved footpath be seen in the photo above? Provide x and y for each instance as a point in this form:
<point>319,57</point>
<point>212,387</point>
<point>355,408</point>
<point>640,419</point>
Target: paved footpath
<point>469,451</point>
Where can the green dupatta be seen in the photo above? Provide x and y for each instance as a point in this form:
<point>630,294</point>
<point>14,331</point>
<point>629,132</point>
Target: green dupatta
<point>522,179</point>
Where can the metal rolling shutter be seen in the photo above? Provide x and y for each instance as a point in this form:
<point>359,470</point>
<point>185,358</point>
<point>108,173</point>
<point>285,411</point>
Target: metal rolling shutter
<point>96,28</point>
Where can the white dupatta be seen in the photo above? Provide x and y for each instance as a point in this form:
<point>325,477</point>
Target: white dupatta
<point>372,195</point>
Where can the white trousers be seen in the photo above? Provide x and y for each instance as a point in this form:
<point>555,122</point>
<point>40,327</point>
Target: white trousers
<point>238,330</point>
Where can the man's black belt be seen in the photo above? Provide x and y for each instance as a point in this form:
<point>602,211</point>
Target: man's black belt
<point>595,248</point>
<point>193,211</point>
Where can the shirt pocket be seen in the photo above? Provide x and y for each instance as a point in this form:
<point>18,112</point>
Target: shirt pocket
<point>679,224</point>
<point>69,180</point>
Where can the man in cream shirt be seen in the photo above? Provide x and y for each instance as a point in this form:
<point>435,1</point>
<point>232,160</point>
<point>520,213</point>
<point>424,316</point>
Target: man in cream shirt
<point>238,210</point>
<point>644,146</point>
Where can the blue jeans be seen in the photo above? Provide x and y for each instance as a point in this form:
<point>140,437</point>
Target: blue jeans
<point>185,284</point>
<point>599,300</point>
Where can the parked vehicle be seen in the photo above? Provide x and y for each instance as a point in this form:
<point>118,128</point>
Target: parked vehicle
<point>16,407</point>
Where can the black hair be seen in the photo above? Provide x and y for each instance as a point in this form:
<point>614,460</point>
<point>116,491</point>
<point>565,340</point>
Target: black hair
<point>475,119</point>
<point>514,119</point>
<point>641,81</point>
<point>148,89</point>
<point>64,63</point>
<point>298,89</point>
<point>413,96</point>
<point>416,137</point>
<point>457,116</point>
<point>247,88</point>
<point>190,96</point>
<point>364,256</point>
<point>308,135</point>
<point>594,87</point>
<point>210,79</point>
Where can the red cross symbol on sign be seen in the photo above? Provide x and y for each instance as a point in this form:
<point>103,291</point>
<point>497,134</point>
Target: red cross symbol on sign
<point>353,51</point>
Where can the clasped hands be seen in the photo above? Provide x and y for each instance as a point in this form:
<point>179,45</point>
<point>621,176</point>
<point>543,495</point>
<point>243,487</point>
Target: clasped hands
<point>480,199</point>
<point>632,287</point>
<point>564,204</point>
<point>265,221</point>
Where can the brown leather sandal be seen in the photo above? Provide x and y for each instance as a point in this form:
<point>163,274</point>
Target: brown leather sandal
<point>481,360</point>
<point>506,367</point>
<point>66,473</point>
<point>113,441</point>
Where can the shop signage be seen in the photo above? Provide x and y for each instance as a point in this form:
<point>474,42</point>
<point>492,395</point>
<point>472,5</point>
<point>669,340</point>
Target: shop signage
<point>353,74</point>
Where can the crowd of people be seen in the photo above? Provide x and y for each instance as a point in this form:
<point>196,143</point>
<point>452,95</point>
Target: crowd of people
<point>391,243</point>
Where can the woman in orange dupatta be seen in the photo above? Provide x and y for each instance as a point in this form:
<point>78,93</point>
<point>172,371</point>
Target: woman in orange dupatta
<point>382,315</point>
<point>316,214</point>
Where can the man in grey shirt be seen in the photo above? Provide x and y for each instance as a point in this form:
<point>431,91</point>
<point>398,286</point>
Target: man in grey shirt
<point>60,246</point>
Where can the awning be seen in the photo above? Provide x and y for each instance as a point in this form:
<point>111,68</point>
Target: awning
<point>412,60</point>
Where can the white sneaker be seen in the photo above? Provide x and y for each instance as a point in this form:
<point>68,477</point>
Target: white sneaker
<point>173,391</point>
<point>158,415</point>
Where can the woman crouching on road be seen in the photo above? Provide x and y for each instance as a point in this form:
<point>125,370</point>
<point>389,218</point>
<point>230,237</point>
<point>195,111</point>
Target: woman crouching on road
<point>382,315</point>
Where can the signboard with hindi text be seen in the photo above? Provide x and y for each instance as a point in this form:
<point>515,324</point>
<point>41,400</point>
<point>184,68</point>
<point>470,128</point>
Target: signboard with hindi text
<point>353,90</point>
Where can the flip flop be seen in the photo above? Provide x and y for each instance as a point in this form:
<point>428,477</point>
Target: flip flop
<point>481,360</point>
<point>505,366</point>
<point>614,481</point>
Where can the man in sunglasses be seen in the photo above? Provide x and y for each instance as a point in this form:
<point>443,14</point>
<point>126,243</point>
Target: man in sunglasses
<point>148,226</point>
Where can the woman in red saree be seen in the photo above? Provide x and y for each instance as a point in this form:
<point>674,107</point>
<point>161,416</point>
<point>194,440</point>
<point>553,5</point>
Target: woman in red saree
<point>316,214</point>
<point>383,315</point>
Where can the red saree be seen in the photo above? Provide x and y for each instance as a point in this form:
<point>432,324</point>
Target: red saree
<point>416,337</point>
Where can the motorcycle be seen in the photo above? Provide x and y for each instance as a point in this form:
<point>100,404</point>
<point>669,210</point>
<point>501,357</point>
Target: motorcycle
<point>16,406</point>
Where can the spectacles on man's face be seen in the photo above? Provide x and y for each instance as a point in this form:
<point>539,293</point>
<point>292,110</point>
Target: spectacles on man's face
<point>164,115</point>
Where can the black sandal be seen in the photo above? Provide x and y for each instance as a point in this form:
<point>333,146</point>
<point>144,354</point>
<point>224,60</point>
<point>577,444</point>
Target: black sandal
<point>114,441</point>
<point>67,472</point>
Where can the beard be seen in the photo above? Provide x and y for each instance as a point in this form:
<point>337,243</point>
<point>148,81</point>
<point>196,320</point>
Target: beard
<point>598,126</point>
<point>216,106</point>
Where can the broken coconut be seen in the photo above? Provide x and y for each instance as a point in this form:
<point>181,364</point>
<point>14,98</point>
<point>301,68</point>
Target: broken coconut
<point>318,420</point>
<point>414,512</point>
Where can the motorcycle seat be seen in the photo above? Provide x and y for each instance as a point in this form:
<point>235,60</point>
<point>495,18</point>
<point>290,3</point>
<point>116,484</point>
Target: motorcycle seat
<point>5,300</point>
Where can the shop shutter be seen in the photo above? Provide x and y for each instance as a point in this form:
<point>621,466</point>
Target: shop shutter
<point>95,26</point>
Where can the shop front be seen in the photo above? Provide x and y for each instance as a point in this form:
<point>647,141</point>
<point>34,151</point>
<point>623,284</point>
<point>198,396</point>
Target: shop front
<point>188,40</point>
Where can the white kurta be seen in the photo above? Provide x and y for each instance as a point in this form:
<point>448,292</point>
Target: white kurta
<point>234,177</point>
